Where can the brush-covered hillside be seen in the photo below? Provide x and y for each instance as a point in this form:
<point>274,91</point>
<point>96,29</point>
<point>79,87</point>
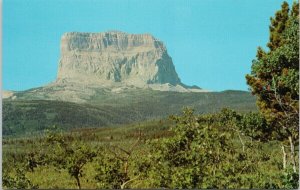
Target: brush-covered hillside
<point>25,116</point>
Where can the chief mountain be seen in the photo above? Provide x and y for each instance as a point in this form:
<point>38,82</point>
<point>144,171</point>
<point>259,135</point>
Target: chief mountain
<point>111,78</point>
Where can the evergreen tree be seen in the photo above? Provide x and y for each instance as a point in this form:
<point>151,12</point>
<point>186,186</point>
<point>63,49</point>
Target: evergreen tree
<point>275,77</point>
<point>278,24</point>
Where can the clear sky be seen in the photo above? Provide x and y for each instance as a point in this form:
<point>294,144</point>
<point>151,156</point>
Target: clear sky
<point>212,42</point>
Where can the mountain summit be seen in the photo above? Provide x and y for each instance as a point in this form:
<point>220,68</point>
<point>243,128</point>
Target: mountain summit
<point>112,57</point>
<point>93,63</point>
<point>116,58</point>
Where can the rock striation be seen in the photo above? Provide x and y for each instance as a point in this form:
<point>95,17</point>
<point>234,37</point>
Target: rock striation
<point>108,63</point>
<point>115,57</point>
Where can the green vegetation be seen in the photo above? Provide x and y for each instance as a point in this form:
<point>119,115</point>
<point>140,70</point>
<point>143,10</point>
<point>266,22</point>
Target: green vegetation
<point>188,151</point>
<point>204,147</point>
<point>29,117</point>
<point>70,156</point>
<point>211,151</point>
<point>275,79</point>
<point>46,166</point>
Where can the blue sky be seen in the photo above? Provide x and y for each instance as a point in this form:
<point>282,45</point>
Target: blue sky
<point>212,42</point>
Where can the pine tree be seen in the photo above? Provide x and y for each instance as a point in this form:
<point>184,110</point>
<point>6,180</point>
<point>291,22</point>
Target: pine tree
<point>278,24</point>
<point>274,78</point>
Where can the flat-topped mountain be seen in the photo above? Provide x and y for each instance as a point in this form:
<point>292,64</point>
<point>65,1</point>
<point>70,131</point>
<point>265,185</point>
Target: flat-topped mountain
<point>109,61</point>
<point>111,78</point>
<point>113,57</point>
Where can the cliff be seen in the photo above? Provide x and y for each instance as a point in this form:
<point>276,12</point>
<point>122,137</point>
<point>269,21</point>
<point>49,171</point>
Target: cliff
<point>115,57</point>
<point>94,64</point>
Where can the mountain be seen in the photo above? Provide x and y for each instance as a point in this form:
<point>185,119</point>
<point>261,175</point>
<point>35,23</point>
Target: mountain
<point>107,79</point>
<point>111,58</point>
<point>111,61</point>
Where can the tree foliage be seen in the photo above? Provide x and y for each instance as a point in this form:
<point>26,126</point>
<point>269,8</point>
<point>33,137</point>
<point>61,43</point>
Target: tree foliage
<point>203,154</point>
<point>275,77</point>
<point>114,166</point>
<point>255,126</point>
<point>278,25</point>
<point>19,181</point>
<point>110,172</point>
<point>221,150</point>
<point>70,156</point>
<point>275,73</point>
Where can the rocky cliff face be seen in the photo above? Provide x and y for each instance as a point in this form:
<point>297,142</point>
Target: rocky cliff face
<point>94,64</point>
<point>115,57</point>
